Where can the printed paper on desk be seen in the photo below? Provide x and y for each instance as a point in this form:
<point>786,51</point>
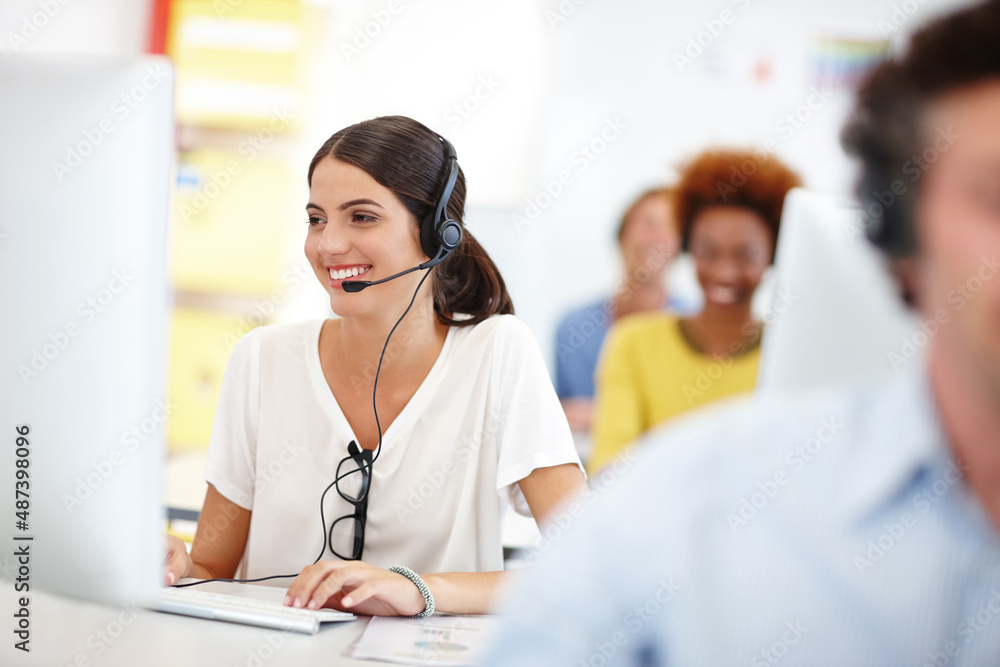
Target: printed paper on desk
<point>435,640</point>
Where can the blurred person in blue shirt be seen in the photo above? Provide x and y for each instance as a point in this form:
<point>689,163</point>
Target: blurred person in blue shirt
<point>857,526</point>
<point>648,239</point>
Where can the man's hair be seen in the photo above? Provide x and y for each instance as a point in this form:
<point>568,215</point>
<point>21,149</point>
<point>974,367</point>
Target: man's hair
<point>887,131</point>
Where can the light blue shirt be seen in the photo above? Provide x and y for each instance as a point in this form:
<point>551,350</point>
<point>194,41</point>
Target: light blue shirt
<point>827,529</point>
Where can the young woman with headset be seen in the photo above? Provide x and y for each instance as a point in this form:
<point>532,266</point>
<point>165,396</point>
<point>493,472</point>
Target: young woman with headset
<point>400,425</point>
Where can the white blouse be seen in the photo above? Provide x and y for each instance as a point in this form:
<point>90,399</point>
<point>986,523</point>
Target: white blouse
<point>484,418</point>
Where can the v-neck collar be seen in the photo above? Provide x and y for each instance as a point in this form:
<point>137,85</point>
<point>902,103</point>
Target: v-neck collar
<point>332,407</point>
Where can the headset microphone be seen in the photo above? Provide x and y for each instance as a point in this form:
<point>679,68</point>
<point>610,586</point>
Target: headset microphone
<point>439,234</point>
<point>358,285</point>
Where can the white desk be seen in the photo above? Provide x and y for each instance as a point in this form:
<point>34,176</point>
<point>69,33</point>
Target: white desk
<point>66,631</point>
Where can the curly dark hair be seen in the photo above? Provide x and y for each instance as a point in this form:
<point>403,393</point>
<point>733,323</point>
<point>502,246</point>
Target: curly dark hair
<point>741,178</point>
<point>886,130</point>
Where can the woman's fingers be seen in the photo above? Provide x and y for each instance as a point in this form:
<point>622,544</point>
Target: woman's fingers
<point>176,561</point>
<point>362,588</point>
<point>361,594</point>
<point>304,586</point>
<point>342,579</point>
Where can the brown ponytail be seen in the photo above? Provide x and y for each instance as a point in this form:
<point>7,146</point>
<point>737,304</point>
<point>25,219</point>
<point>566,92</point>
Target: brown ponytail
<point>407,158</point>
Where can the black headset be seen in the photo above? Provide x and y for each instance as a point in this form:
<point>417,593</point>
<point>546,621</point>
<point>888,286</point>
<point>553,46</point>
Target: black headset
<point>439,234</point>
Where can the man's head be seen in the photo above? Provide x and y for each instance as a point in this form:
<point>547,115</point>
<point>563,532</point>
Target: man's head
<point>927,131</point>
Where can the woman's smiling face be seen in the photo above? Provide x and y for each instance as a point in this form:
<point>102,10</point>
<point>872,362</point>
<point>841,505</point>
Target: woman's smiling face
<point>359,230</point>
<point>731,247</point>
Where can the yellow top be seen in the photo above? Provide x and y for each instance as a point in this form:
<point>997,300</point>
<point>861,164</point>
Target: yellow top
<point>648,373</point>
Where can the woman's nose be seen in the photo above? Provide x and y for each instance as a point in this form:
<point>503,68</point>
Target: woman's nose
<point>332,242</point>
<point>726,269</point>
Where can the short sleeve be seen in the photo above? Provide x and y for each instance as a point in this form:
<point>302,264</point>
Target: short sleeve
<point>232,450</point>
<point>618,416</point>
<point>534,432</point>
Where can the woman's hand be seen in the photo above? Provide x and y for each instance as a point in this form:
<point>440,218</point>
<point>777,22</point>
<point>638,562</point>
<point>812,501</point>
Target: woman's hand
<point>356,587</point>
<point>178,563</point>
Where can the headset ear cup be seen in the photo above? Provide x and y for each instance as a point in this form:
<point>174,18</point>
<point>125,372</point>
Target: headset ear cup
<point>429,237</point>
<point>450,235</point>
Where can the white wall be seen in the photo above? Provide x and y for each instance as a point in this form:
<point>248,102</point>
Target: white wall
<point>74,26</point>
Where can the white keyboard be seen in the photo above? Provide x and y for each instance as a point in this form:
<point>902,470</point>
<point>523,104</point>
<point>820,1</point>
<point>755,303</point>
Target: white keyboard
<point>237,609</point>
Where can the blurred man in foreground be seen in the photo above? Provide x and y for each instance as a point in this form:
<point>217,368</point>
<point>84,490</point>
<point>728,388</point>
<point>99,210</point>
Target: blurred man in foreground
<point>853,527</point>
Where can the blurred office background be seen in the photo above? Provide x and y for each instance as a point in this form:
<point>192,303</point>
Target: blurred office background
<point>562,111</point>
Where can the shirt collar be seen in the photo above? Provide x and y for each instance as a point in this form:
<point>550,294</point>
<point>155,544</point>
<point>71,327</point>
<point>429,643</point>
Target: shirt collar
<point>899,438</point>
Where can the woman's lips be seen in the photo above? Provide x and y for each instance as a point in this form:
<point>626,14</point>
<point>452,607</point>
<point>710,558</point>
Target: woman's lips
<point>342,272</point>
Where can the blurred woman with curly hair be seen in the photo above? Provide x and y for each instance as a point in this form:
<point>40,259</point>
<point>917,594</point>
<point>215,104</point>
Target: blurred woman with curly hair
<point>655,365</point>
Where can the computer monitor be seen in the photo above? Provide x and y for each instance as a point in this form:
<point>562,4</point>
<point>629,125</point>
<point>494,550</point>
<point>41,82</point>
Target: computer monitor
<point>85,180</point>
<point>836,317</point>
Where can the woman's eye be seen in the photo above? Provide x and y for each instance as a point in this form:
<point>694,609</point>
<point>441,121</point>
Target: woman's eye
<point>361,217</point>
<point>312,221</point>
